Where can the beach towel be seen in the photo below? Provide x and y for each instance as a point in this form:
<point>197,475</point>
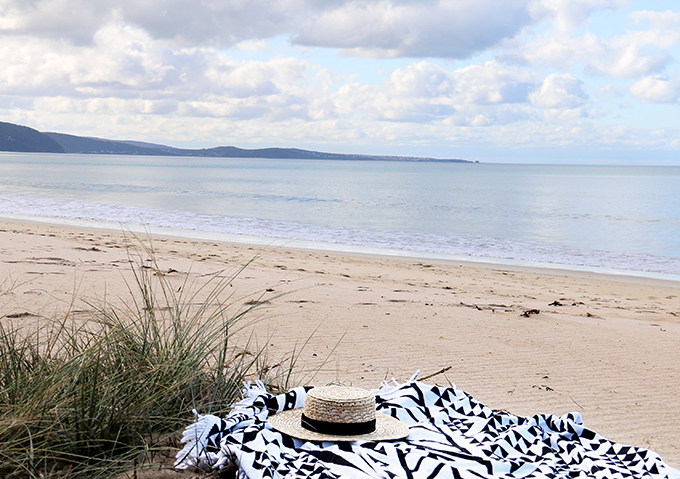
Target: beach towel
<point>451,435</point>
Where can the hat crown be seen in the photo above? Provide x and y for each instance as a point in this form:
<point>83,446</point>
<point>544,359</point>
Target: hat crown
<point>337,413</point>
<point>340,404</point>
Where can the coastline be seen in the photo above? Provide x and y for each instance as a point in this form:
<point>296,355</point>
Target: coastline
<point>606,346</point>
<point>626,276</point>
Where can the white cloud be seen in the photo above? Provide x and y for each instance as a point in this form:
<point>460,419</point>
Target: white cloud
<point>477,95</point>
<point>631,55</point>
<point>568,15</point>
<point>492,82</point>
<point>255,79</point>
<point>426,28</point>
<point>657,89</point>
<point>555,114</point>
<point>661,20</point>
<point>185,23</point>
<point>252,45</point>
<point>380,28</point>
<point>123,70</point>
<point>559,91</point>
<point>642,49</point>
<point>120,59</point>
<point>121,54</point>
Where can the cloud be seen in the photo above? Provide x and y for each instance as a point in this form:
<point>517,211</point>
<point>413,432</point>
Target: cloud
<point>366,28</point>
<point>76,20</point>
<point>375,28</point>
<point>559,91</point>
<point>666,20</point>
<point>631,55</point>
<point>121,58</point>
<point>477,95</point>
<point>568,15</point>
<point>555,114</point>
<point>634,54</point>
<point>183,23</point>
<point>657,89</point>
<point>426,28</point>
<point>124,71</point>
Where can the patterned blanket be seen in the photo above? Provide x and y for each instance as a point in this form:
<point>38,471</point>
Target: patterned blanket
<point>451,436</point>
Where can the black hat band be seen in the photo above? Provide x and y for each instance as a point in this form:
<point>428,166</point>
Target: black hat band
<point>337,428</point>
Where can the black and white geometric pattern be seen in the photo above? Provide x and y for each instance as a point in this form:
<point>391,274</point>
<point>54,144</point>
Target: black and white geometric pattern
<point>451,436</point>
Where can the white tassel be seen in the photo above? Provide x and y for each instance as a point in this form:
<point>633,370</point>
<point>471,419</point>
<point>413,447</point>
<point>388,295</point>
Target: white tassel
<point>195,435</point>
<point>387,388</point>
<point>194,438</point>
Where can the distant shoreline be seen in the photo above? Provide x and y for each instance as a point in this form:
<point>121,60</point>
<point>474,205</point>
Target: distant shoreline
<point>574,271</point>
<point>17,138</point>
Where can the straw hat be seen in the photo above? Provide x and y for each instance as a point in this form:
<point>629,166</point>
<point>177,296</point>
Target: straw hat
<point>339,413</point>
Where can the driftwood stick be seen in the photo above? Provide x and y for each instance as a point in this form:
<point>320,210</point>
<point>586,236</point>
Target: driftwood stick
<point>437,373</point>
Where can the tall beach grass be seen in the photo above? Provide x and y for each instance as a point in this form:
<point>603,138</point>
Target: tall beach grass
<point>95,398</point>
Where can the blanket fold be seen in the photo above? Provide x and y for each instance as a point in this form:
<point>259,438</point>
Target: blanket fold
<point>451,436</point>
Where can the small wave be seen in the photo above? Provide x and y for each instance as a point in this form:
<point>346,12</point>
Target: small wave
<point>469,246</point>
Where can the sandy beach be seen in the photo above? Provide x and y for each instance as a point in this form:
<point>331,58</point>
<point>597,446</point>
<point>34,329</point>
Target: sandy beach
<point>524,340</point>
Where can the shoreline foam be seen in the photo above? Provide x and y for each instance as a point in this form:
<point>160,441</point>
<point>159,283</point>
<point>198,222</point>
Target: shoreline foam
<point>623,275</point>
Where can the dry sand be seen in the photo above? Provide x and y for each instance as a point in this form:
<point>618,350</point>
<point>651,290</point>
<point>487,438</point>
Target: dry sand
<point>608,348</point>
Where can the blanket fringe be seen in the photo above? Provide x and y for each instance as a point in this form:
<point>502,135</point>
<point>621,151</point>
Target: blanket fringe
<point>386,387</point>
<point>195,436</point>
<point>253,391</point>
<point>195,440</point>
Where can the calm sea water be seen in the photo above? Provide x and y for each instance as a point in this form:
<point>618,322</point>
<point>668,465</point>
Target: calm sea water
<point>623,218</point>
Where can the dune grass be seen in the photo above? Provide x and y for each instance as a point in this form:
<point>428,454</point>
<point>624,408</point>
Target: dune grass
<point>96,398</point>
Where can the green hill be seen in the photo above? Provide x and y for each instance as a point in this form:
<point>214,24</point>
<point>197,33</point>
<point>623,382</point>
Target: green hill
<point>21,138</point>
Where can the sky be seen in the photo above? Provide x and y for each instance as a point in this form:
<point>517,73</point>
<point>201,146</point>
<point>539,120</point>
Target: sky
<point>564,81</point>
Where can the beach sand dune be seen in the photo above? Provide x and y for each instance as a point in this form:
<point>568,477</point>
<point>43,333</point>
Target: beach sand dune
<point>527,341</point>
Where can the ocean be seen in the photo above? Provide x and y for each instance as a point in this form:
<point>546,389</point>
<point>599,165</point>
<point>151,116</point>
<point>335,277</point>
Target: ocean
<point>614,219</point>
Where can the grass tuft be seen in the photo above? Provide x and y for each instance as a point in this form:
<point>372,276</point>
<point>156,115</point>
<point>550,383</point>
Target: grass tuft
<point>98,398</point>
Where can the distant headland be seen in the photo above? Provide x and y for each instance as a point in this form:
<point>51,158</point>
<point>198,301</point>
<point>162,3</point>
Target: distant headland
<point>24,139</point>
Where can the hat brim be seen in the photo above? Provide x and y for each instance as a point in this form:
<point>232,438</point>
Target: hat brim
<point>387,428</point>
